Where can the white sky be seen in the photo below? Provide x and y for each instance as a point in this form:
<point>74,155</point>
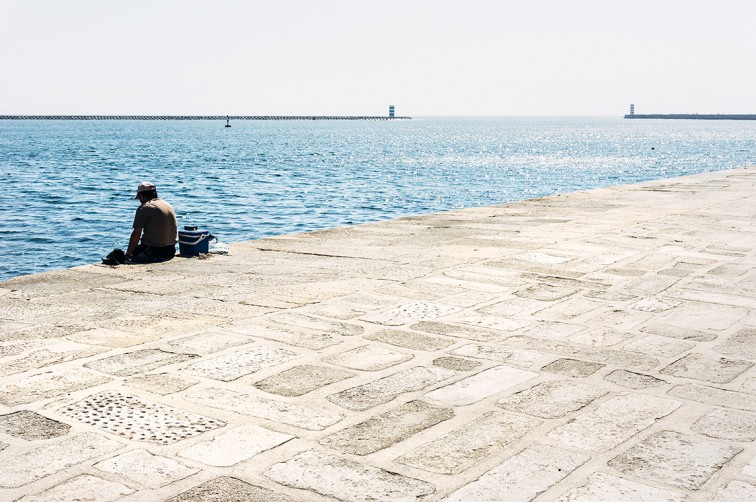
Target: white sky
<point>428,57</point>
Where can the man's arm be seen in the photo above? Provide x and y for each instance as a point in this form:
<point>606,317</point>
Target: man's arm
<point>133,241</point>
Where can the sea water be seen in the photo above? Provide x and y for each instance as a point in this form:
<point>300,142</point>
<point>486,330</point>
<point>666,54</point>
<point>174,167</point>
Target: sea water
<point>67,187</point>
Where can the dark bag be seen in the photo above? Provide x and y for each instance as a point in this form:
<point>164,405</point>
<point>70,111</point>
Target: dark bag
<point>115,257</point>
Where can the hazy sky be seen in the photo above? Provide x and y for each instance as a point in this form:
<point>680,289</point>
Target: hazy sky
<point>428,57</point>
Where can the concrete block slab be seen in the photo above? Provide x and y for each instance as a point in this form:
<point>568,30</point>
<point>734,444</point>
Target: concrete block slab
<point>675,459</point>
<point>552,399</point>
<point>346,480</point>
<point>139,361</point>
<point>410,313</point>
<point>521,477</point>
<point>633,380</point>
<point>660,346</point>
<point>456,330</point>
<point>386,429</point>
<point>237,364</point>
<point>369,358</point>
<point>208,342</point>
<point>605,487</point>
<point>146,469</point>
<point>84,487</point>
<point>410,340</point>
<point>730,425</point>
<point>573,368</point>
<point>161,384</point>
<point>613,422</point>
<point>300,380</point>
<point>229,489</point>
<point>741,345</point>
<point>47,385</point>
<point>707,368</point>
<point>714,396</point>
<point>234,446</point>
<point>517,358</point>
<point>463,447</point>
<point>480,386</point>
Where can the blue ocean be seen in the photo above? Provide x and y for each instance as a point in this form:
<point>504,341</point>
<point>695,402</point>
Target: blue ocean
<point>68,186</point>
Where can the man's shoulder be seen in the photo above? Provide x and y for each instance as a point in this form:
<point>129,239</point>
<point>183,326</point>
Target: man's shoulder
<point>158,204</point>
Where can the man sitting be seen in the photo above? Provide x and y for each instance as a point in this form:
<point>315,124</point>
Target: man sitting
<point>155,222</point>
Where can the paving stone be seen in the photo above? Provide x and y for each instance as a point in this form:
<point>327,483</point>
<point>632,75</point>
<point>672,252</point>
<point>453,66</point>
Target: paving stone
<point>300,380</point>
<point>573,368</point>
<point>546,292</point>
<point>741,345</point>
<point>605,487</point>
<point>46,385</point>
<point>457,331</point>
<point>555,330</point>
<point>678,332</point>
<point>492,322</point>
<point>633,380</point>
<point>736,491</point>
<point>31,426</point>
<point>675,459</point>
<point>140,361</point>
<point>208,342</point>
<point>229,489</point>
<point>654,305</point>
<point>45,357</point>
<point>52,457</point>
<point>146,469</point>
<point>525,359</point>
<point>621,319</point>
<point>387,388</point>
<point>750,469</point>
<point>304,417</point>
<point>651,285</point>
<point>569,309</point>
<point>110,338</point>
<point>234,446</point>
<point>239,363</point>
<point>463,447</point>
<point>290,336</point>
<point>316,323</point>
<point>369,358</point>
<point>613,422</point>
<point>602,337</point>
<point>410,313</point>
<point>161,384</point>
<point>81,488</point>
<point>139,419</point>
<point>704,316</point>
<point>346,480</point>
<point>709,369</point>
<point>480,386</point>
<point>386,429</point>
<point>552,399</point>
<point>660,346</point>
<point>727,424</point>
<point>604,356</point>
<point>456,363</point>
<point>410,340</point>
<point>521,477</point>
<point>714,396</point>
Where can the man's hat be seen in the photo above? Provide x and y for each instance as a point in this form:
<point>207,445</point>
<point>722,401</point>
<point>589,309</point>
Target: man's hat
<point>144,186</point>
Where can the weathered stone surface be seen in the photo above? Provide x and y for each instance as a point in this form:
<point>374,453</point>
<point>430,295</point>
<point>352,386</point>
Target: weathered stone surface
<point>300,380</point>
<point>234,446</point>
<point>208,342</point>
<point>110,337</point>
<point>521,477</point>
<point>81,488</point>
<point>31,426</point>
<point>456,363</point>
<point>410,313</point>
<point>139,419</point>
<point>605,487</point>
<point>518,358</point>
<point>654,305</point>
<point>736,490</point>
<point>552,399</point>
<point>714,396</point>
<point>44,357</point>
<point>613,422</point>
<point>492,322</point>
<point>727,424</point>
<point>569,309</point>
<point>633,380</point>
<point>702,316</point>
<point>316,323</point>
<point>480,386</point>
<point>369,358</point>
<point>679,332</point>
<point>410,340</point>
<point>304,417</point>
<point>46,385</point>
<point>601,337</point>
<point>140,361</point>
<point>675,459</point>
<point>456,451</point>
<point>346,480</point>
<point>707,368</point>
<point>546,292</point>
<point>291,336</point>
<point>750,469</point>
<point>53,457</point>
<point>386,429</point>
<point>161,384</point>
<point>387,388</point>
<point>229,489</point>
<point>573,368</point>
<point>659,346</point>
<point>239,363</point>
<point>146,469</point>
<point>741,345</point>
<point>457,331</point>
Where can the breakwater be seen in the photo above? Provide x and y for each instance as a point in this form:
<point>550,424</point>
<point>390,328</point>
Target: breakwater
<point>200,117</point>
<point>692,116</point>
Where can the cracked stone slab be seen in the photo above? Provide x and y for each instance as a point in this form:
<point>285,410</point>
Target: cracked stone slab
<point>369,358</point>
<point>146,469</point>
<point>480,386</point>
<point>633,380</point>
<point>300,380</point>
<point>410,340</point>
<point>237,364</point>
<point>229,489</point>
<point>161,384</point>
<point>457,331</point>
<point>714,396</point>
<point>573,368</point>
<point>488,353</point>
<point>139,419</point>
<point>381,431</point>
<point>83,487</point>
<point>47,385</point>
<point>521,477</point>
<point>675,459</point>
<point>139,361</point>
<point>546,292</point>
<point>409,313</point>
<point>741,345</point>
<point>552,399</point>
<point>387,388</point>
<point>613,422</point>
<point>290,336</point>
<point>234,446</point>
<point>706,368</point>
<point>31,426</point>
<point>463,447</point>
<point>316,323</point>
<point>304,417</point>
<point>208,342</point>
<point>336,476</point>
<point>569,309</point>
<point>727,424</point>
<point>660,346</point>
<point>601,486</point>
<point>53,457</point>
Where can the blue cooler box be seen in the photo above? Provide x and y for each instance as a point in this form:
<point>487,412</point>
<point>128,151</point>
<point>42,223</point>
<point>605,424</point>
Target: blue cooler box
<point>193,241</point>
